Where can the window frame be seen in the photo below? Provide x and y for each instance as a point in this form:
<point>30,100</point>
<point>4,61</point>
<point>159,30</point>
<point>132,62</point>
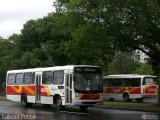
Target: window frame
<point>58,77</point>
<point>33,78</point>
<point>19,78</point>
<point>131,82</point>
<point>13,79</point>
<point>51,81</point>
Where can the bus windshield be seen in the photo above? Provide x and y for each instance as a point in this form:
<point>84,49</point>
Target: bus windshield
<point>87,80</point>
<point>150,81</point>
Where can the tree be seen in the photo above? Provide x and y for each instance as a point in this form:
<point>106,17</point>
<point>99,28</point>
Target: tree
<point>88,43</point>
<point>88,46</point>
<point>123,63</point>
<point>6,48</point>
<point>143,68</point>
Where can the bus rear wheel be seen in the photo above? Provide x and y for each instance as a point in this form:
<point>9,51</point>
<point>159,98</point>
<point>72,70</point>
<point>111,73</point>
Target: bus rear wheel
<point>126,97</point>
<point>24,101</point>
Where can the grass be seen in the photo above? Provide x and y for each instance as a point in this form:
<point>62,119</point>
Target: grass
<point>2,98</point>
<point>131,105</point>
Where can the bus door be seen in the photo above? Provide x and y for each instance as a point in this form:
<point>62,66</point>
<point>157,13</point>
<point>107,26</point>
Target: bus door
<point>69,79</point>
<point>38,77</point>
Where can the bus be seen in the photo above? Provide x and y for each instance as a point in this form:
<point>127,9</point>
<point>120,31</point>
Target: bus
<point>79,85</point>
<point>130,86</point>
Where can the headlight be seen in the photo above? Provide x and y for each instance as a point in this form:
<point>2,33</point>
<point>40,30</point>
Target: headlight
<point>77,96</point>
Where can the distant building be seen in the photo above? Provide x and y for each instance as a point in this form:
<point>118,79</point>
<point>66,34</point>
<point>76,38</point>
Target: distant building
<point>142,56</point>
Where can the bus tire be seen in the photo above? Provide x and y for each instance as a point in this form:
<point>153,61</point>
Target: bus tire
<point>24,100</point>
<point>83,108</point>
<point>58,103</point>
<point>126,97</point>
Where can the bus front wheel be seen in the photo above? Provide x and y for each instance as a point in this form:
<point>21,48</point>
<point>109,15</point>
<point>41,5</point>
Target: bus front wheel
<point>24,100</point>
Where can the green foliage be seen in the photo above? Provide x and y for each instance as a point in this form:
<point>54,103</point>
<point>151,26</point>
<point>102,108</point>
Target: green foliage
<point>123,63</point>
<point>30,59</point>
<point>5,58</point>
<point>127,63</point>
<point>129,25</point>
<point>144,69</point>
<point>90,46</point>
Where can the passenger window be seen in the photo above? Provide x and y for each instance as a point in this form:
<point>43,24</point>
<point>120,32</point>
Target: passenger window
<point>19,78</point>
<point>28,78</point>
<point>58,77</point>
<point>47,77</point>
<point>135,82</point>
<point>116,82</point>
<point>107,82</point>
<point>125,82</point>
<point>11,79</point>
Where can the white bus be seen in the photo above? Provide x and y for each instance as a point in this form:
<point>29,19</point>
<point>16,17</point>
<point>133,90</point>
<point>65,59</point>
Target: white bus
<point>79,85</point>
<point>130,86</point>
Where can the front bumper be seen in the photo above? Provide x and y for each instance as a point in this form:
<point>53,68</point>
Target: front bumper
<point>87,102</point>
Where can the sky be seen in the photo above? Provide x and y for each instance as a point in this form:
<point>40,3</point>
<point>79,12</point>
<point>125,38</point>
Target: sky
<point>15,13</point>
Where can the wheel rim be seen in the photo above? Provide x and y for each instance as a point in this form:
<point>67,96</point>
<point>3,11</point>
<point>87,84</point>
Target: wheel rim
<point>24,100</point>
<point>126,97</point>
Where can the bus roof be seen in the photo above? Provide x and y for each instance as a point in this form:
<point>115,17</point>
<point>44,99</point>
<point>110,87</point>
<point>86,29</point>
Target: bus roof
<point>69,67</point>
<point>127,76</point>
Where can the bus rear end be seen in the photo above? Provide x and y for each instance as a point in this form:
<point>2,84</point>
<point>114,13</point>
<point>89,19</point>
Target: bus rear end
<point>149,86</point>
<point>88,86</point>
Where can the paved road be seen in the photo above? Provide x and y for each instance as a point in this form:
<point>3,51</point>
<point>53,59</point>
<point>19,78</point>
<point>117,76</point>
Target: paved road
<point>12,110</point>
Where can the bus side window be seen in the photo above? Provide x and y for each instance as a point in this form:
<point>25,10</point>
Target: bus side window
<point>117,82</point>
<point>47,77</point>
<point>11,79</point>
<point>105,82</point>
<point>135,82</point>
<point>58,77</point>
<point>28,78</point>
<point>125,82</point>
<point>19,78</point>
